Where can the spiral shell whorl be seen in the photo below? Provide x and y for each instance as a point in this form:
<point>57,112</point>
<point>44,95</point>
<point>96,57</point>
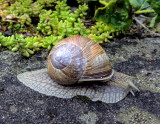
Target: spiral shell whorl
<point>77,59</point>
<point>67,60</point>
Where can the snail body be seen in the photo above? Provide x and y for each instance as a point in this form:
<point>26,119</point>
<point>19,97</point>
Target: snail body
<point>76,60</point>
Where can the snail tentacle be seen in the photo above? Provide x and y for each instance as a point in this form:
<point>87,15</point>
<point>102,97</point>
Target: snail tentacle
<point>133,86</point>
<point>131,91</point>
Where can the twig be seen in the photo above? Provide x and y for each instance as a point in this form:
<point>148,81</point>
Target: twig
<point>152,32</point>
<point>145,7</point>
<point>5,2</point>
<point>143,11</point>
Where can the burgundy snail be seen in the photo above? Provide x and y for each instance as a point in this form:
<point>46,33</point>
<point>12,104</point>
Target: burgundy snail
<point>78,60</point>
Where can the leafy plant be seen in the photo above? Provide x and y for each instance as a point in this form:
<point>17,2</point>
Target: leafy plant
<point>116,14</point>
<point>57,21</point>
<point>62,22</point>
<point>156,6</point>
<point>119,14</point>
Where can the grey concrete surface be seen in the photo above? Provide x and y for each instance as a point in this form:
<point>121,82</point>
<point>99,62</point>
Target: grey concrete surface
<point>136,57</point>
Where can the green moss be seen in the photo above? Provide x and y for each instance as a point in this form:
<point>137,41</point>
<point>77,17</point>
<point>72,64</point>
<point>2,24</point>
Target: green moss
<point>62,22</point>
<point>149,82</point>
<point>24,11</point>
<point>89,118</point>
<point>53,25</point>
<point>134,115</point>
<point>27,45</point>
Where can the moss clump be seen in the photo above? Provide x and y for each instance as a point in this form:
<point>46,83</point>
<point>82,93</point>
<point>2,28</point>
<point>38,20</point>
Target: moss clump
<point>150,82</point>
<point>136,116</point>
<point>27,45</point>
<point>23,11</point>
<point>90,118</point>
<point>62,22</point>
<point>54,24</point>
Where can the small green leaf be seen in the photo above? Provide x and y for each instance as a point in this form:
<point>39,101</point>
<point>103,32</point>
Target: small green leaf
<point>116,14</point>
<point>155,4</point>
<point>14,49</point>
<point>104,2</point>
<point>30,51</point>
<point>155,20</point>
<point>25,53</point>
<point>139,4</point>
<point>49,47</point>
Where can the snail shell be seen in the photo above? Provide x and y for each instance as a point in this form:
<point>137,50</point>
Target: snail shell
<point>74,60</point>
<point>78,59</point>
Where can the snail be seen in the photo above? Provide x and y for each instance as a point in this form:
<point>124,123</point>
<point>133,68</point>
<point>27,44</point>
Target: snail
<point>79,66</point>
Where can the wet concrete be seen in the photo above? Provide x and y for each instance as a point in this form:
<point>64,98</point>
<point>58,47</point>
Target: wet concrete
<point>136,57</point>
